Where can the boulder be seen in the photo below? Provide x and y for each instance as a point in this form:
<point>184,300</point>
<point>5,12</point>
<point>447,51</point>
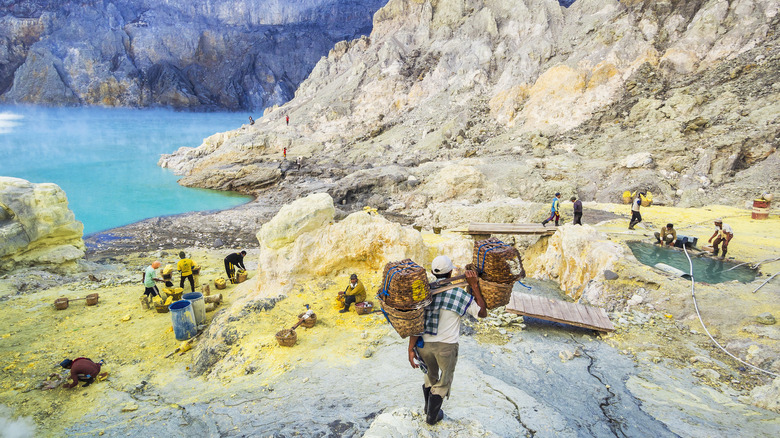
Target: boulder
<point>766,318</point>
<point>767,396</point>
<point>573,256</point>
<point>36,226</point>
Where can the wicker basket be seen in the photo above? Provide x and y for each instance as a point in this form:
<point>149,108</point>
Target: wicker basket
<point>92,299</point>
<point>61,303</point>
<point>404,285</point>
<point>496,261</point>
<point>495,294</point>
<point>175,292</point>
<point>220,283</point>
<point>241,277</point>
<point>310,321</point>
<point>161,308</point>
<point>405,322</point>
<point>286,337</point>
<point>364,308</point>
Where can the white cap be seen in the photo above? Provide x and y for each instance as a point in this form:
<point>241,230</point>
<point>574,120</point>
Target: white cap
<point>442,265</point>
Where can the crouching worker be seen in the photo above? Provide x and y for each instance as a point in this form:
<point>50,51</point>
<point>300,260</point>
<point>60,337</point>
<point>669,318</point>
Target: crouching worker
<point>354,293</point>
<point>667,235</point>
<point>438,345</point>
<point>81,370</point>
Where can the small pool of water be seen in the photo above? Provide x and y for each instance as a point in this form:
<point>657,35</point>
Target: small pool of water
<point>705,269</point>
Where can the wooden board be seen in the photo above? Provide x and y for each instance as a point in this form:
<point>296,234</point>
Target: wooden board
<point>481,228</point>
<point>548,309</point>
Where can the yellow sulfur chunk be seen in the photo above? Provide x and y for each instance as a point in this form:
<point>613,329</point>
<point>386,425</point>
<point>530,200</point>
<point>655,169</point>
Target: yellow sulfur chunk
<point>157,301</point>
<point>168,301</point>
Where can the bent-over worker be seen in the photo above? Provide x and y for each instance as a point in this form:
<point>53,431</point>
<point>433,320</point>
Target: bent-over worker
<point>725,234</point>
<point>185,266</point>
<point>233,260</point>
<point>439,349</point>
<point>667,235</point>
<point>354,293</point>
<point>150,289</point>
<point>81,370</point>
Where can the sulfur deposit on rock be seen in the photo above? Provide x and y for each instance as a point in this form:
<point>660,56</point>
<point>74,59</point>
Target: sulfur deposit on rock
<point>36,226</point>
<point>573,256</point>
<point>767,396</point>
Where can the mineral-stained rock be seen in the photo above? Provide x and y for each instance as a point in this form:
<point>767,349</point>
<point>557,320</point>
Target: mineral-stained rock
<point>766,318</point>
<point>36,226</point>
<point>767,396</point>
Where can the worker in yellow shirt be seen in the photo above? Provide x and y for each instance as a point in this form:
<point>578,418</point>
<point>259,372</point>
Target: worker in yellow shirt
<point>185,267</point>
<point>354,293</point>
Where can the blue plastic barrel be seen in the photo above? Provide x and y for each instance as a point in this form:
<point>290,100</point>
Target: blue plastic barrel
<point>183,318</point>
<point>198,306</point>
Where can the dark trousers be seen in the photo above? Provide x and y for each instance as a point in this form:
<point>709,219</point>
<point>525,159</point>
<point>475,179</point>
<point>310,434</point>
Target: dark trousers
<point>717,242</point>
<point>230,270</point>
<point>554,215</point>
<point>152,292</point>
<point>577,218</point>
<point>635,219</point>
<point>188,277</point>
<point>348,299</point>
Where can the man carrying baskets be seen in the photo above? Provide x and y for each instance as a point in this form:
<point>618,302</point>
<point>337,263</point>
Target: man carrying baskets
<point>439,349</point>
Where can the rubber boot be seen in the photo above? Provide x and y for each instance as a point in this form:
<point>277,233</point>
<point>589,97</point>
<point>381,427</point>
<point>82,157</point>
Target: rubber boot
<point>434,414</point>
<point>544,223</point>
<point>426,394</point>
<point>723,255</point>
<point>346,308</point>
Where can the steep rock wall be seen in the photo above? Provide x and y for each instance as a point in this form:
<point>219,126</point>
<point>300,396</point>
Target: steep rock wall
<point>36,226</point>
<point>562,98</point>
<point>225,54</point>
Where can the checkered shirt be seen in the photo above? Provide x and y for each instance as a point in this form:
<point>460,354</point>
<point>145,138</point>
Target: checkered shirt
<point>456,300</point>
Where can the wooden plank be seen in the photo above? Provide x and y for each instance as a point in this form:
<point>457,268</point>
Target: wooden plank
<point>574,314</point>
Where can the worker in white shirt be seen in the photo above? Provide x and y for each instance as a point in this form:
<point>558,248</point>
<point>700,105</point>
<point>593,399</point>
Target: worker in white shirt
<point>724,235</point>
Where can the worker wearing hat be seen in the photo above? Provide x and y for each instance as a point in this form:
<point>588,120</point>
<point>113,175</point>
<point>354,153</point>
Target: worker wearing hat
<point>437,346</point>
<point>555,213</point>
<point>724,235</point>
<point>354,293</point>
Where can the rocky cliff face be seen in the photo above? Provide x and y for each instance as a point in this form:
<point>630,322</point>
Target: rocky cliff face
<point>36,226</point>
<point>225,54</point>
<point>679,98</point>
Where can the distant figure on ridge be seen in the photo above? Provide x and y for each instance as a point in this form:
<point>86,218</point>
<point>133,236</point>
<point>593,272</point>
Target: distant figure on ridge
<point>725,234</point>
<point>185,266</point>
<point>284,153</point>
<point>354,293</point>
<point>577,210</point>
<point>299,161</point>
<point>251,120</point>
<point>554,211</point>
<point>233,260</point>
<point>667,235</point>
<point>635,216</point>
<point>287,119</point>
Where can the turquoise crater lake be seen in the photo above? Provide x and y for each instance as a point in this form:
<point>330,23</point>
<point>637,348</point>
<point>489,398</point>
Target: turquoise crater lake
<point>106,159</point>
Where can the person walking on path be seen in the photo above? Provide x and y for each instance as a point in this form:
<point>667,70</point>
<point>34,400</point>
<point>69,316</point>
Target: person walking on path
<point>725,234</point>
<point>577,210</point>
<point>437,347</point>
<point>667,235</point>
<point>636,217</point>
<point>554,211</point>
<point>284,153</point>
<point>185,266</point>
<point>287,119</point>
<point>233,260</point>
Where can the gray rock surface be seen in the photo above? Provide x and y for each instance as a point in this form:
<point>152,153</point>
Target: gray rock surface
<point>224,54</point>
<point>766,318</point>
<point>594,99</point>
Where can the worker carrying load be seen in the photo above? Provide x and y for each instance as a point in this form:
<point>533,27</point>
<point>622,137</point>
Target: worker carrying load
<point>436,349</point>
<point>667,235</point>
<point>354,293</point>
<point>185,266</point>
<point>231,262</point>
<point>725,234</point>
<point>637,202</point>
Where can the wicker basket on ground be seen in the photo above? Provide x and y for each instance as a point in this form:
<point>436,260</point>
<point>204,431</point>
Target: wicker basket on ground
<point>92,299</point>
<point>406,322</point>
<point>310,321</point>
<point>364,308</point>
<point>286,337</point>
<point>404,285</point>
<point>495,294</point>
<point>61,303</point>
<point>497,261</point>
<point>161,308</point>
<point>220,283</point>
<point>241,276</point>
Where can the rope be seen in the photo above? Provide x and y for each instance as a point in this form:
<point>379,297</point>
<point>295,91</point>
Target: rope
<point>696,305</point>
<point>753,266</point>
<point>527,287</point>
<point>767,281</point>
